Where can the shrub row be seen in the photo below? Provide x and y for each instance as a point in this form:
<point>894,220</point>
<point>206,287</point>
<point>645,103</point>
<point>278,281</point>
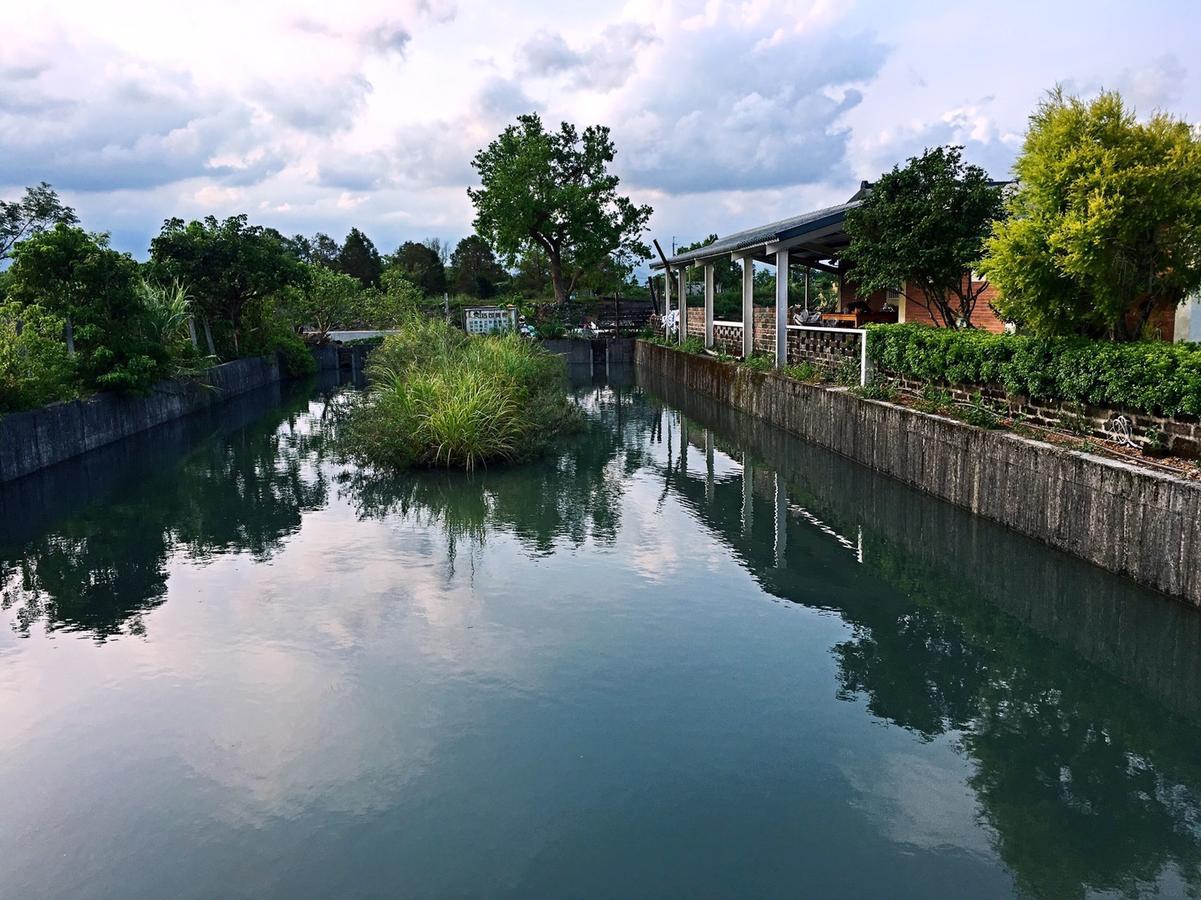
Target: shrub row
<point>1148,376</point>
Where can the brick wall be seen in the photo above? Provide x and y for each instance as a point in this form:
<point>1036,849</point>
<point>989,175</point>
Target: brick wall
<point>982,316</point>
<point>1182,435</point>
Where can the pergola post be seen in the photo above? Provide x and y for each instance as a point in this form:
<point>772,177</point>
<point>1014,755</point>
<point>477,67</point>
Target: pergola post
<point>709,273</point>
<point>682,277</point>
<point>666,301</point>
<point>748,306</point>
<point>781,308</point>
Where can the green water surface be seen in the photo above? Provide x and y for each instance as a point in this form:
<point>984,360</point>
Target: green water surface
<point>688,655</point>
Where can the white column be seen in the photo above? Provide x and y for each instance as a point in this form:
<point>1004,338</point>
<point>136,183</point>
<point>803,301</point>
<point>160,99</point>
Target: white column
<point>709,291</point>
<point>666,300</point>
<point>683,282</point>
<point>781,308</point>
<point>748,306</point>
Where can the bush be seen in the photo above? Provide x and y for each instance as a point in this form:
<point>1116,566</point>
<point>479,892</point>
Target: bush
<point>1148,376</point>
<point>441,398</point>
<point>34,367</point>
<point>759,362</point>
<point>295,358</point>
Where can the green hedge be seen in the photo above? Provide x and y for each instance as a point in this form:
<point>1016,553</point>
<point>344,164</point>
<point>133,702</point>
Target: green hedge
<point>1149,376</point>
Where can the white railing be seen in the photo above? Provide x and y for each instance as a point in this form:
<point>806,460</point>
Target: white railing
<point>727,323</point>
<point>862,332</point>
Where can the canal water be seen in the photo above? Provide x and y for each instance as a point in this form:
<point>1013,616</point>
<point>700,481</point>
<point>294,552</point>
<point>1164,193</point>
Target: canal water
<point>686,655</point>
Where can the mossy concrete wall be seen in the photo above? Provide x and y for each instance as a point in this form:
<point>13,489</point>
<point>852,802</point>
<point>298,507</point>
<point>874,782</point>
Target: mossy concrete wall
<point>1123,518</point>
<point>37,438</point>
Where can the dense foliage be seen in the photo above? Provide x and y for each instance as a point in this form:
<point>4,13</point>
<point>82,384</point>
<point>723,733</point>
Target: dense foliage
<point>442,398</point>
<point>34,366</point>
<point>94,290</point>
<point>234,270</point>
<point>921,230</point>
<point>1105,225</point>
<point>1150,376</point>
<point>552,190</point>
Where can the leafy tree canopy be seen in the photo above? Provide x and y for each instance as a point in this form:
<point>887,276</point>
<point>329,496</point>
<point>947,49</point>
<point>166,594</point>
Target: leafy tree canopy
<point>38,210</point>
<point>359,259</point>
<point>476,271</point>
<point>75,275</point>
<point>553,191</point>
<point>1105,225</point>
<point>326,300</point>
<point>422,265</point>
<point>921,229</point>
<point>233,269</point>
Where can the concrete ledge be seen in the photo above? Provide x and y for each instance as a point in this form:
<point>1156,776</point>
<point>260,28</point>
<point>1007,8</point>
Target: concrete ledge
<point>1129,520</point>
<point>37,438</point>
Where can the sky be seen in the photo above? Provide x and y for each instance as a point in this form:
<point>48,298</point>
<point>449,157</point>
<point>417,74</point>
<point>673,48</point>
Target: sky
<point>314,116</point>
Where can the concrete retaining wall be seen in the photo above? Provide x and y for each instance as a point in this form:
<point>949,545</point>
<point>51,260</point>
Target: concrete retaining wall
<point>1129,520</point>
<point>579,351</point>
<point>37,438</point>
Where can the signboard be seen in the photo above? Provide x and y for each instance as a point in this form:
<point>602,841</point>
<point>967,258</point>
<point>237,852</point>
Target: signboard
<point>490,319</point>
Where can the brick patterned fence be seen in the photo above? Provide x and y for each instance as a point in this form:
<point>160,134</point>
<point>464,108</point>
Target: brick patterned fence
<point>827,349</point>
<point>727,337</point>
<point>832,352</point>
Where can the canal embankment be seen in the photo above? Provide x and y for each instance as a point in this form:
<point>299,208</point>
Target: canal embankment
<point>35,439</point>
<point>1142,524</point>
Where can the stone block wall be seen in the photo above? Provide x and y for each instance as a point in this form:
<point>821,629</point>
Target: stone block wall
<point>37,438</point>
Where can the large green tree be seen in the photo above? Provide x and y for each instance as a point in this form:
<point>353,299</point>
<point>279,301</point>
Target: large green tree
<point>422,265</point>
<point>359,259</point>
<point>1105,225</point>
<point>233,269</point>
<point>95,290</point>
<point>475,269</point>
<point>36,211</point>
<point>921,229</point>
<point>552,190</point>
<point>326,300</point>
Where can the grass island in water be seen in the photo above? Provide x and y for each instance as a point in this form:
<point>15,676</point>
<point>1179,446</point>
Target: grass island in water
<point>439,397</point>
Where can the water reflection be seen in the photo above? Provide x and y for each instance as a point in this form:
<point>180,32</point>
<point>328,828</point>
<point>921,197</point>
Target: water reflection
<point>1072,699</point>
<point>571,497</point>
<point>84,546</point>
<point>1073,693</point>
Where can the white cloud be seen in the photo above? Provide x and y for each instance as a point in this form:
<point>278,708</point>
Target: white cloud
<point>724,112</point>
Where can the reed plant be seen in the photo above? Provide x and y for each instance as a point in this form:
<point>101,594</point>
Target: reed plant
<point>439,398</point>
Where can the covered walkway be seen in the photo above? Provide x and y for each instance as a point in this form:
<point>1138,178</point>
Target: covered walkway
<point>813,240</point>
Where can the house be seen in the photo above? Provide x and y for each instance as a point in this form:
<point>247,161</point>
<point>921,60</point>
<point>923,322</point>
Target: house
<point>816,240</point>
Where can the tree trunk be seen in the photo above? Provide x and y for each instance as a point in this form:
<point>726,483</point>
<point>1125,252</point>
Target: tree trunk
<point>556,276</point>
<point>208,337</point>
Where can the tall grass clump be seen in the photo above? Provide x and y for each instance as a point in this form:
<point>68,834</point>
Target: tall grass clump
<point>440,398</point>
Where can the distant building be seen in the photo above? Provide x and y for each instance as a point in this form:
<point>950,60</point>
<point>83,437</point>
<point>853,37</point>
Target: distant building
<point>490,319</point>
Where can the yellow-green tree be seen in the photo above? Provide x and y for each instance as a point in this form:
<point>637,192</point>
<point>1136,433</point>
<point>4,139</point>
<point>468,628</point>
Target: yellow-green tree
<point>1104,227</point>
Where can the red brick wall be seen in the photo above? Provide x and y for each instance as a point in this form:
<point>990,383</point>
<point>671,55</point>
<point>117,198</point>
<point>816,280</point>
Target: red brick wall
<point>982,316</point>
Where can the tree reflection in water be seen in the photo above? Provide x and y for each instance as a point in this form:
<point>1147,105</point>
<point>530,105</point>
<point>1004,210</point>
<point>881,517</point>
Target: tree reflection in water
<point>1082,740</point>
<point>1085,770</point>
<point>572,495</point>
<point>197,488</point>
